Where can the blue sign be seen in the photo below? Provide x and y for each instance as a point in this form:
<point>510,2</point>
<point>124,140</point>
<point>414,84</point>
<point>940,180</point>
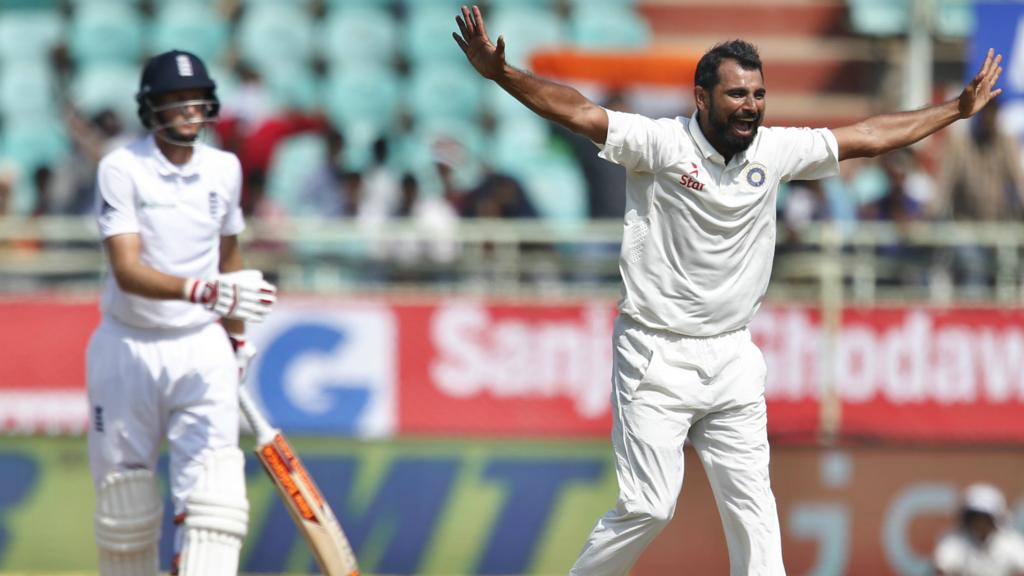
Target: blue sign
<point>327,372</point>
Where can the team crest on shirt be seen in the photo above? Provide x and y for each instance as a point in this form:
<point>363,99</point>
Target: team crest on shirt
<point>214,205</point>
<point>755,176</point>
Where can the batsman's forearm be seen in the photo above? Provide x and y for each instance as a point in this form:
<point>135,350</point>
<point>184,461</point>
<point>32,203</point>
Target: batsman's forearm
<point>892,131</point>
<point>556,102</point>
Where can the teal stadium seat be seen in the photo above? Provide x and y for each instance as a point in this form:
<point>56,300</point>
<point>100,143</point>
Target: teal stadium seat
<point>292,87</point>
<point>879,17</point>
<point>428,34</point>
<point>359,35</point>
<point>295,159</point>
<point>29,34</point>
<point>609,28</point>
<point>27,90</point>
<point>954,18</point>
<point>602,4</point>
<point>272,33</point>
<point>445,91</point>
<point>362,99</point>
<point>29,145</point>
<point>105,32</point>
<point>526,29</point>
<point>503,106</point>
<point>106,86</point>
<point>556,187</point>
<point>516,142</point>
<point>190,26</point>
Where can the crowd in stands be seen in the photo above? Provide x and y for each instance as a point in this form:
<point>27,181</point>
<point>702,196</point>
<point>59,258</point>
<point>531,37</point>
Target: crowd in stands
<point>370,113</point>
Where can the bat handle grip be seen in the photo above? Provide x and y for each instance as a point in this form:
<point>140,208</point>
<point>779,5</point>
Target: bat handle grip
<point>260,426</point>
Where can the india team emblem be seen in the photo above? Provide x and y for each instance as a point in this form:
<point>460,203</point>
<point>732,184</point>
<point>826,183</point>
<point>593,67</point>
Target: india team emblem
<point>755,175</point>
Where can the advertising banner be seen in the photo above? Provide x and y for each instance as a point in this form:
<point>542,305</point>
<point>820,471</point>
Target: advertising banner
<point>514,507</point>
<point>464,366</point>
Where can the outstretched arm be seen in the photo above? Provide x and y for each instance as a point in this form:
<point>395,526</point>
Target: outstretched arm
<point>885,132</point>
<point>556,102</point>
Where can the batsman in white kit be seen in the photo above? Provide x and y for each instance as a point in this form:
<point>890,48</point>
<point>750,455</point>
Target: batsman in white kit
<point>167,357</point>
<point>697,249</point>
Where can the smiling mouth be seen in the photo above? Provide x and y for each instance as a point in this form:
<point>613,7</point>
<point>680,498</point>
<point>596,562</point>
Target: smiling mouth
<point>743,127</point>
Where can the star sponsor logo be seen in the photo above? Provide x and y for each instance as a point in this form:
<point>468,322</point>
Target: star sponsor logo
<point>691,180</point>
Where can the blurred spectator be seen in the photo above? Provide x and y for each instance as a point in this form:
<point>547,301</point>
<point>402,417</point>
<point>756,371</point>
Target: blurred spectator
<point>252,130</point>
<point>323,193</point>
<point>903,203</point>
<point>498,196</point>
<point>981,180</point>
<point>982,544</point>
<point>380,187</point>
<point>981,176</point>
<point>428,240</point>
<point>73,186</point>
<point>605,180</point>
<point>908,193</point>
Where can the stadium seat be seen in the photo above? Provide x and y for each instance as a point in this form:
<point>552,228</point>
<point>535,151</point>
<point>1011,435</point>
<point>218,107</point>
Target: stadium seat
<point>359,35</point>
<point>445,91</point>
<point>105,32</point>
<point>502,105</point>
<point>556,188</point>
<point>106,86</point>
<point>428,35</point>
<point>272,33</point>
<point>518,141</point>
<point>295,159</point>
<point>954,18</point>
<point>879,17</point>
<point>27,89</point>
<point>526,29</point>
<point>30,145</point>
<point>611,28</point>
<point>29,34</point>
<point>292,87</point>
<point>362,96</point>
<point>190,26</point>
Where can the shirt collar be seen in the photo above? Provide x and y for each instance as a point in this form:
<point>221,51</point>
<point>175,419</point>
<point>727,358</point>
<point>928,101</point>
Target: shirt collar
<point>165,167</point>
<point>708,151</point>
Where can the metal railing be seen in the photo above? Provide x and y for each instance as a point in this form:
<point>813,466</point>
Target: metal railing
<point>870,263</point>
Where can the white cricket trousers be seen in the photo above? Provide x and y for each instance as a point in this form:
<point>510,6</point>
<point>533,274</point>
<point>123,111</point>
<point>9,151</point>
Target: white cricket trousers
<point>143,384</point>
<point>665,388</point>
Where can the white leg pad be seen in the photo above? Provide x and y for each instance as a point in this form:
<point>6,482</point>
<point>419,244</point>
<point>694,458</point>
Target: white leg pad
<point>216,517</point>
<point>127,523</point>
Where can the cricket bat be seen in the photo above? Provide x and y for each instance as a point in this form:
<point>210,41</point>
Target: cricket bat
<point>303,499</point>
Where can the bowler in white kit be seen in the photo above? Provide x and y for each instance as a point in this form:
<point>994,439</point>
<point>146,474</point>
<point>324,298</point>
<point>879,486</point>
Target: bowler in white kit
<point>166,359</point>
<point>696,257</point>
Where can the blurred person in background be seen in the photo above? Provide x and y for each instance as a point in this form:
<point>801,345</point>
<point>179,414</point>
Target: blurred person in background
<point>167,358</point>
<point>697,250</point>
<point>983,543</point>
<point>903,203</point>
<point>74,179</point>
<point>323,192</point>
<point>981,180</point>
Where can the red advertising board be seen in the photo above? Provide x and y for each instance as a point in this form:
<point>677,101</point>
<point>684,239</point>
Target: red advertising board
<point>469,366</point>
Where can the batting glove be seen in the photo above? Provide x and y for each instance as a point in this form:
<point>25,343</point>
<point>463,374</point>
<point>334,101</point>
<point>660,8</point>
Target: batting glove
<point>245,351</point>
<point>242,295</point>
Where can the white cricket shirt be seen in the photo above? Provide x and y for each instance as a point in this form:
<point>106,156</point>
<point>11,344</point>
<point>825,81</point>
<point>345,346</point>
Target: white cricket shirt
<point>699,234</point>
<point>179,213</point>
<point>1001,555</point>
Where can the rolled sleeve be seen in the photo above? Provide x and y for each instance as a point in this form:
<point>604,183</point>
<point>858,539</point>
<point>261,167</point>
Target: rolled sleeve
<point>808,153</point>
<point>638,143</point>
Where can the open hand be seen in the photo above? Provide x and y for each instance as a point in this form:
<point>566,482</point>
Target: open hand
<point>488,59</point>
<point>979,92</point>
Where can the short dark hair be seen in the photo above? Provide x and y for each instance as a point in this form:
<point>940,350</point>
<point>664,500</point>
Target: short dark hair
<point>741,51</point>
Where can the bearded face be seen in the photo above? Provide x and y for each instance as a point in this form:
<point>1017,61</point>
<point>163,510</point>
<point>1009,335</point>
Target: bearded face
<point>733,110</point>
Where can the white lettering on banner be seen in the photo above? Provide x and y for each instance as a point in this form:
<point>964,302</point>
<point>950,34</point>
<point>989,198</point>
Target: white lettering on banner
<point>909,362</point>
<point>517,358</point>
